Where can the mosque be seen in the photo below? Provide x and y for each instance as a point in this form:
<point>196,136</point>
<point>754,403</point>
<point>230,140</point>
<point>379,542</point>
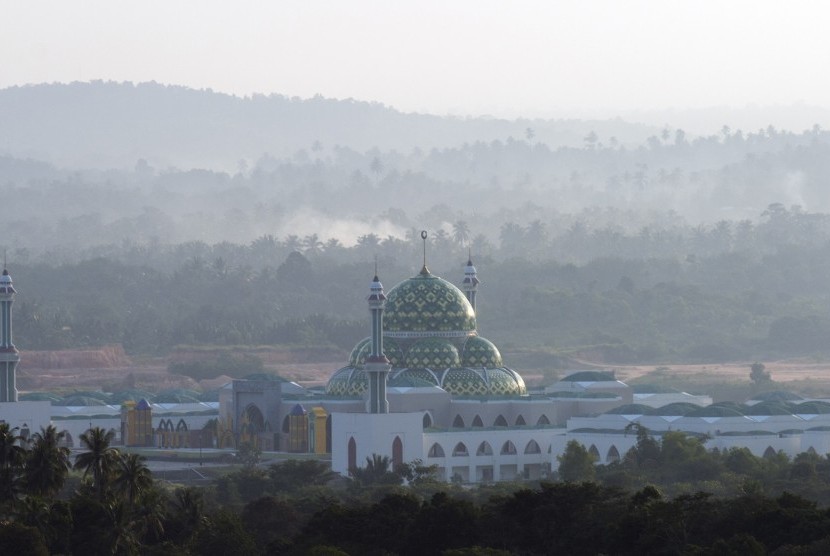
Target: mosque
<point>426,386</point>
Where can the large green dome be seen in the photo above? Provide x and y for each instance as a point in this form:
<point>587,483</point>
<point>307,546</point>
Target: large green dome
<point>430,339</point>
<point>427,305</point>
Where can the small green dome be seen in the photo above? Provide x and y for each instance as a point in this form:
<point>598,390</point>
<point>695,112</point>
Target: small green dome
<point>393,352</point>
<point>354,357</point>
<point>348,381</point>
<point>506,382</point>
<point>483,382</point>
<point>425,305</point>
<point>413,378</point>
<point>432,353</point>
<point>480,352</point>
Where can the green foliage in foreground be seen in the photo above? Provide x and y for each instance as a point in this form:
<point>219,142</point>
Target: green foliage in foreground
<point>300,507</point>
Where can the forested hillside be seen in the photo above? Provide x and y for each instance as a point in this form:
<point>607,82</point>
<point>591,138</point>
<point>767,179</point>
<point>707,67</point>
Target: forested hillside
<point>607,238</point>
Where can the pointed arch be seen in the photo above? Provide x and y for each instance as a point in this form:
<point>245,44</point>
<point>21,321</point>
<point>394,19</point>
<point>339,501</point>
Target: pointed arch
<point>769,452</point>
<point>520,421</point>
<point>594,452</point>
<point>613,455</point>
<point>477,422</point>
<point>484,449</point>
<point>255,418</point>
<point>435,451</point>
<point>811,450</point>
<point>67,441</point>
<point>397,452</point>
<point>500,421</point>
<point>352,455</point>
<point>458,422</point>
<point>460,450</point>
<point>181,426</point>
<point>508,449</point>
<point>533,448</point>
<point>543,420</point>
<point>427,420</point>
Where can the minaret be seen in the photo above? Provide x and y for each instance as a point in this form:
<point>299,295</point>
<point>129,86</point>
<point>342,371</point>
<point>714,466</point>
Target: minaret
<point>470,283</point>
<point>9,357</point>
<point>377,366</point>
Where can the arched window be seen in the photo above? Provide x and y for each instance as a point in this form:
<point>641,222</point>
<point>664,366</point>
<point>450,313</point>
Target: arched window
<point>520,421</point>
<point>460,450</point>
<point>477,422</point>
<point>543,420</point>
<point>67,441</point>
<point>811,450</point>
<point>484,449</point>
<point>508,449</point>
<point>533,448</point>
<point>613,455</point>
<point>352,455</point>
<point>594,452</point>
<point>458,422</point>
<point>397,452</point>
<point>500,421</point>
<point>436,451</point>
<point>427,421</point>
<point>769,452</point>
<point>181,426</point>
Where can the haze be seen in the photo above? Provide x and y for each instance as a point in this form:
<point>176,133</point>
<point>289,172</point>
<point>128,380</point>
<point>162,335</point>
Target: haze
<point>640,59</point>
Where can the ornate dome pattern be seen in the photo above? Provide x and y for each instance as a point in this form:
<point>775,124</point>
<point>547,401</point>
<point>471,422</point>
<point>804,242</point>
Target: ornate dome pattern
<point>393,352</point>
<point>465,382</point>
<point>434,353</point>
<point>425,305</point>
<point>413,378</point>
<point>347,382</point>
<point>354,357</point>
<point>480,352</point>
<point>430,339</point>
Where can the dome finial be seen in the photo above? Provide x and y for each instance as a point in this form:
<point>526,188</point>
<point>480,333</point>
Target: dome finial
<point>424,270</point>
<point>376,269</point>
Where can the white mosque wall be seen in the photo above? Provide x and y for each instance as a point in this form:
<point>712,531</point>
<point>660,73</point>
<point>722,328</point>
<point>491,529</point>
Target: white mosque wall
<point>374,434</point>
<point>32,415</point>
<point>489,455</point>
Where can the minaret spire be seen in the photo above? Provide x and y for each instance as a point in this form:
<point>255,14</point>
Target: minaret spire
<point>470,283</point>
<point>9,356</point>
<point>377,366</point>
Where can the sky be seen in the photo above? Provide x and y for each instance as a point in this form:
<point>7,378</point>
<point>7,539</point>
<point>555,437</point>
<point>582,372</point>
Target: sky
<point>586,58</point>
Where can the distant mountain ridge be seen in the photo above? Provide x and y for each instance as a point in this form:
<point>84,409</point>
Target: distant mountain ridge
<point>112,125</point>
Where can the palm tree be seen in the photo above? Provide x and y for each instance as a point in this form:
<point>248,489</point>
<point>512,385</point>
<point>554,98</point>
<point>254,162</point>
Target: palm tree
<point>312,244</point>
<point>12,456</point>
<point>132,477</point>
<point>461,232</point>
<point>100,457</point>
<point>48,462</point>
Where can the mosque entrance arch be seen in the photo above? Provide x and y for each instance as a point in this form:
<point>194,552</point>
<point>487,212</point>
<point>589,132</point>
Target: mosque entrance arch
<point>352,455</point>
<point>397,453</point>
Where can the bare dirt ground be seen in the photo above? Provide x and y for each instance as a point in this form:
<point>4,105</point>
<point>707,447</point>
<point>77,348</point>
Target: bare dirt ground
<point>781,371</point>
<point>110,369</point>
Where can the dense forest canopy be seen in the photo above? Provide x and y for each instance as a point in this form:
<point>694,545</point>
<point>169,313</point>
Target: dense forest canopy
<point>122,221</point>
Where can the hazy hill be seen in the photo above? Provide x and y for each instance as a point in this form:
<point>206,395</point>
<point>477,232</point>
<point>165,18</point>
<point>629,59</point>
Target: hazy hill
<point>100,124</point>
